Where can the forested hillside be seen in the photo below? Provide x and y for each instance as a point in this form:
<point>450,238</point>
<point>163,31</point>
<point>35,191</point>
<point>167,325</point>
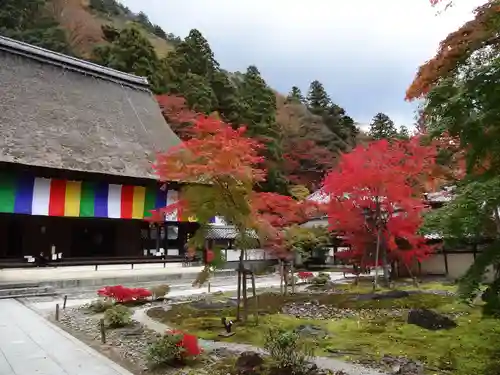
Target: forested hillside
<point>304,132</point>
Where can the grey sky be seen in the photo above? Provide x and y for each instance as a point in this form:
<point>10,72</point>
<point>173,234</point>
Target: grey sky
<point>365,52</point>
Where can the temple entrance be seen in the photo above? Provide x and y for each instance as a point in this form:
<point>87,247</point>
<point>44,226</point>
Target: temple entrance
<point>93,238</point>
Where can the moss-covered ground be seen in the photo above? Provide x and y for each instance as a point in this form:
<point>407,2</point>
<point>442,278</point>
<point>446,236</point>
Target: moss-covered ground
<point>471,348</point>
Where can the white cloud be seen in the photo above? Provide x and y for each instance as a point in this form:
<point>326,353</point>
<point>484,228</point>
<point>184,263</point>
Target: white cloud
<point>366,52</point>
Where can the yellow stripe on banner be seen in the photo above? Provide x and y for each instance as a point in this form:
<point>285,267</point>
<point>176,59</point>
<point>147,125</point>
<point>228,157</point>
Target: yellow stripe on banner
<point>138,202</point>
<point>72,201</point>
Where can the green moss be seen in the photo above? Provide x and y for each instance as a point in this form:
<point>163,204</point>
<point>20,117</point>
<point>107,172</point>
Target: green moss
<point>473,347</point>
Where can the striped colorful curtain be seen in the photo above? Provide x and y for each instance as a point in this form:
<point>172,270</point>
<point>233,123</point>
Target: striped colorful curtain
<point>24,194</point>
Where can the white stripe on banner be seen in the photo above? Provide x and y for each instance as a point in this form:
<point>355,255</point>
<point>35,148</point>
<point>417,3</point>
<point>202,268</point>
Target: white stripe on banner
<point>172,197</point>
<point>219,221</point>
<point>41,197</point>
<point>114,201</point>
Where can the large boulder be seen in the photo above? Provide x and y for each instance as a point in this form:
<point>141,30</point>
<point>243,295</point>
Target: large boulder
<point>249,363</point>
<point>430,320</point>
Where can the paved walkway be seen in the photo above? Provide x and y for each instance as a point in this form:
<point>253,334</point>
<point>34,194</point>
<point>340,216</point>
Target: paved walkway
<point>18,275</point>
<point>30,345</point>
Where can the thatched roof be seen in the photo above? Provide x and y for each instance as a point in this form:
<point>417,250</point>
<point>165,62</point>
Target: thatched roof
<point>60,112</point>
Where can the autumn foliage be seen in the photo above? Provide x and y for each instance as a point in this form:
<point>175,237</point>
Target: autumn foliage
<point>177,114</point>
<point>188,343</point>
<point>121,294</point>
<point>385,178</point>
<point>478,33</point>
<point>274,212</point>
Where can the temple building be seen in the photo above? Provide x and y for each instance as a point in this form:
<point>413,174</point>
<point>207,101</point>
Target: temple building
<point>76,160</point>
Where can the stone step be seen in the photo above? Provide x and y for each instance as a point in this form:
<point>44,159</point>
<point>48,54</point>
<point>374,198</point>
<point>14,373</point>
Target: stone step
<point>31,291</point>
<point>47,294</point>
<point>18,285</point>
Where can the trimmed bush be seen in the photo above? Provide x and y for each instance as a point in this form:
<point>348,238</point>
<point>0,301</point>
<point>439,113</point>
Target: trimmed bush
<point>287,349</point>
<point>160,291</point>
<point>321,279</point>
<point>99,305</point>
<point>117,316</point>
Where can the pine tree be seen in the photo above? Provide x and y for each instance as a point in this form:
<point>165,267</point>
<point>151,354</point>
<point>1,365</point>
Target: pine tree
<point>259,105</point>
<point>403,132</point>
<point>197,56</point>
<point>382,127</point>
<point>318,100</point>
<point>131,52</point>
<point>227,97</point>
<point>295,96</point>
<point>258,113</point>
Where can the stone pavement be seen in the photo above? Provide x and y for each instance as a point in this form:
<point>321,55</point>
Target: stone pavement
<point>31,345</point>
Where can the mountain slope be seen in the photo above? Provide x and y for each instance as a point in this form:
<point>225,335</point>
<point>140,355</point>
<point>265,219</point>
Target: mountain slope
<point>303,137</point>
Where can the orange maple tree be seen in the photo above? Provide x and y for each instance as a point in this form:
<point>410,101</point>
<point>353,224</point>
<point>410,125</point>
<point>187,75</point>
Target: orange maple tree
<point>476,34</point>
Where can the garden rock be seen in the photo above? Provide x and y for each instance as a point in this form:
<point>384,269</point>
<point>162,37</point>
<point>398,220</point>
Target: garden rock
<point>213,305</point>
<point>430,320</point>
<point>248,363</point>
<point>311,330</point>
<point>403,365</point>
<point>393,294</point>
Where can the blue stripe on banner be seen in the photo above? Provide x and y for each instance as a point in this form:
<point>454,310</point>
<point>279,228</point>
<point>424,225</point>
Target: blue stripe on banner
<point>161,199</point>
<point>101,200</point>
<point>24,194</point>
<point>212,220</point>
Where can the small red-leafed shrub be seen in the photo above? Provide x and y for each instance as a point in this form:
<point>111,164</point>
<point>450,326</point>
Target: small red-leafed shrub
<point>174,347</point>
<point>121,294</point>
<point>305,276</point>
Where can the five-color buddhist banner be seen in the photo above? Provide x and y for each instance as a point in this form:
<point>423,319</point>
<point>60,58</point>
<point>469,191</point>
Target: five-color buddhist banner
<point>24,194</point>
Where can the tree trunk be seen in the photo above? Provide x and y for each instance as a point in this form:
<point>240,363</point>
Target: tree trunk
<point>285,278</point>
<point>377,250</point>
<point>280,263</point>
<point>385,265</point>
<point>292,269</point>
<point>245,299</point>
<point>238,299</point>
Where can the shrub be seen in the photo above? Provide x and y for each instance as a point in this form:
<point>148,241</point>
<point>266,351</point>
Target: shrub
<point>305,276</point>
<point>121,294</point>
<point>117,316</point>
<point>173,347</point>
<point>160,291</point>
<point>288,350</point>
<point>99,305</point>
<point>321,279</point>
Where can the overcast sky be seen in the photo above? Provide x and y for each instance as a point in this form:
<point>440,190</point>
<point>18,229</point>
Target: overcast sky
<point>365,52</point>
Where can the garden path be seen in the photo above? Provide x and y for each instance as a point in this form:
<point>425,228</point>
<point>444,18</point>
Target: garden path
<point>30,344</point>
<point>332,364</point>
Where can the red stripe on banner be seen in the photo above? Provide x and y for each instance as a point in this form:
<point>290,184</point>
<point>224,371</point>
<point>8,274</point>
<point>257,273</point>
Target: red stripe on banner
<point>57,197</point>
<point>127,202</point>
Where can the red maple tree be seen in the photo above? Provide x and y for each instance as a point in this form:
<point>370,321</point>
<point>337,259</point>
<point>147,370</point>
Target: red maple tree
<point>305,162</point>
<point>273,212</point>
<point>177,114</point>
<point>375,201</point>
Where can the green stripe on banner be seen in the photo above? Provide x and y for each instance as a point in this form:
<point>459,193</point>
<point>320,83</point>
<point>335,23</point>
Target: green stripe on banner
<point>87,198</point>
<point>149,203</point>
<point>7,193</point>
